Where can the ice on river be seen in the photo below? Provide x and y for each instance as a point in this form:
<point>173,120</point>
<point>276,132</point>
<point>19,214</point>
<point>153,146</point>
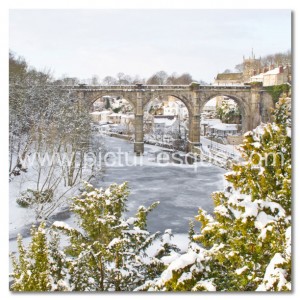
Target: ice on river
<point>180,190</point>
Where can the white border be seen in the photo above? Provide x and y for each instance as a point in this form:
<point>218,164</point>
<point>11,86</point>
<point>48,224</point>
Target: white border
<point>5,5</point>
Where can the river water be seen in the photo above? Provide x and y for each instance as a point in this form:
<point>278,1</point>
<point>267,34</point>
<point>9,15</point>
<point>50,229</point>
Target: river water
<point>180,189</point>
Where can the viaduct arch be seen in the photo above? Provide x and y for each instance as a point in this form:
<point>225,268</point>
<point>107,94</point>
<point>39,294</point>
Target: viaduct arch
<point>255,103</point>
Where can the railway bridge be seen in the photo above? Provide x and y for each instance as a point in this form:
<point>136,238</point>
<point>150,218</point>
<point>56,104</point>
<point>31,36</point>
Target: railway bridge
<point>254,102</point>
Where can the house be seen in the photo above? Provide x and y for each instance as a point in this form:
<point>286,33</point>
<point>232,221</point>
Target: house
<point>275,76</point>
<point>96,116</point>
<point>162,123</point>
<point>100,116</point>
<point>114,118</point>
<point>175,108</point>
<point>206,123</point>
<point>229,79</point>
<point>223,130</point>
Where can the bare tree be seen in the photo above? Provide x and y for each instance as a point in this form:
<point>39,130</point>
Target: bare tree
<point>109,80</point>
<point>158,78</point>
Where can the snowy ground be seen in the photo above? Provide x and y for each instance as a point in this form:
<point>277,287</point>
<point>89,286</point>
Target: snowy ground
<point>181,190</point>
<point>226,149</point>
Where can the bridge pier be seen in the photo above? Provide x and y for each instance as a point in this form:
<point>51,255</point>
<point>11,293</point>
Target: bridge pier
<point>139,135</point>
<point>194,130</point>
<point>194,133</point>
<point>139,124</point>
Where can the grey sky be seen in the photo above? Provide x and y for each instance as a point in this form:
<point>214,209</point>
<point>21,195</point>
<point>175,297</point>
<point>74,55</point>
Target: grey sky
<point>82,43</point>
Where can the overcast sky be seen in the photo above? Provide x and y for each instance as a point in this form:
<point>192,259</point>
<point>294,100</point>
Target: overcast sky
<point>82,43</point>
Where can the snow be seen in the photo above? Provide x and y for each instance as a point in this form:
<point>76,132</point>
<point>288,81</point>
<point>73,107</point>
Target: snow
<point>256,145</point>
<point>180,263</point>
<point>62,225</point>
<point>210,122</point>
<point>275,206</point>
<point>206,284</point>
<point>170,258</point>
<point>131,220</point>
<point>274,71</point>
<point>262,220</point>
<point>185,276</point>
<point>91,280</point>
<point>92,194</point>
<point>274,274</point>
<point>95,113</point>
<point>225,127</point>
<point>288,237</point>
<point>167,121</point>
<point>248,133</point>
<point>241,270</point>
<point>289,132</point>
<point>258,77</point>
<point>222,210</point>
<point>114,242</point>
<point>107,192</point>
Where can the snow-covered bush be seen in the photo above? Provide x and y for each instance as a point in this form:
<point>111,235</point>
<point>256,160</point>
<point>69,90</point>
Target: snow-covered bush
<point>30,197</point>
<point>246,245</point>
<point>106,252</point>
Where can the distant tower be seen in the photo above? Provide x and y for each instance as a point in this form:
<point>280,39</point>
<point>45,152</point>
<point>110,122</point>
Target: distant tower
<point>251,67</point>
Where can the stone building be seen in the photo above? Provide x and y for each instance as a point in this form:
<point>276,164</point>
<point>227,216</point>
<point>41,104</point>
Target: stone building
<point>275,76</point>
<point>229,79</point>
<point>251,67</point>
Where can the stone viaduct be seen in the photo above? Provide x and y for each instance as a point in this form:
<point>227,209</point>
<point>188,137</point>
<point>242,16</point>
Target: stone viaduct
<point>254,102</point>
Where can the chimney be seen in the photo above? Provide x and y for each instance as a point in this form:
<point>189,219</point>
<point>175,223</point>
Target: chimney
<point>280,69</point>
<point>266,69</point>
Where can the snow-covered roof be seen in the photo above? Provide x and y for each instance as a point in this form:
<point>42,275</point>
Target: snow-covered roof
<point>127,116</point>
<point>225,127</point>
<point>115,115</point>
<point>95,113</point>
<point>167,121</point>
<point>229,76</point>
<point>104,112</point>
<point>258,77</point>
<point>273,71</point>
<point>210,121</point>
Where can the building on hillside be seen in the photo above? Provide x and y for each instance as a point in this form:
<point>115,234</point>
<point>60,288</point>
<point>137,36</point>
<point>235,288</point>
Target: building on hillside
<point>161,123</point>
<point>127,119</point>
<point>206,123</point>
<point>96,117</point>
<point>114,118</point>
<point>251,67</point>
<point>229,79</point>
<point>223,130</point>
<point>175,108</point>
<point>276,76</point>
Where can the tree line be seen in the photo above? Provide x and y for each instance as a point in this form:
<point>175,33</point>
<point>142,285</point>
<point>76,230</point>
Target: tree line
<point>45,122</point>
<point>158,78</point>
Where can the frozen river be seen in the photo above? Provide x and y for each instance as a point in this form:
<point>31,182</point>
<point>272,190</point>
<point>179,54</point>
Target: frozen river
<point>180,189</point>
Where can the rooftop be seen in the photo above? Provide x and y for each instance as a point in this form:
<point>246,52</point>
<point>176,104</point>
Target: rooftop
<point>225,127</point>
<point>229,76</point>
